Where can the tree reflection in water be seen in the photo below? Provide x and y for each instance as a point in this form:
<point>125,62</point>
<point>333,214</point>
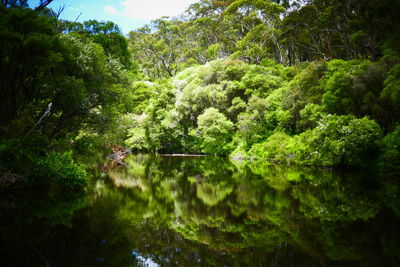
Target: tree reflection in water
<point>208,211</point>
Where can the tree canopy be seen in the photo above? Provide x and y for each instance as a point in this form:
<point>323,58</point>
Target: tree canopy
<point>299,82</point>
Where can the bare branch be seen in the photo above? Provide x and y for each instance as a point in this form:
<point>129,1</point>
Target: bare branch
<point>43,4</point>
<point>60,11</point>
<point>78,17</point>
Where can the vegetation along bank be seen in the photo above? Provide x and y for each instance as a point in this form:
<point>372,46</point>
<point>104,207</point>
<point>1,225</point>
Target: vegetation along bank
<point>294,82</point>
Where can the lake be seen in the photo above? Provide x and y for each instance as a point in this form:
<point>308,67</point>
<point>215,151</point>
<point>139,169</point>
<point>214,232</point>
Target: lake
<point>207,211</point>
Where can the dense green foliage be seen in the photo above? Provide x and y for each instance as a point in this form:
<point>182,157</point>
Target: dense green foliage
<point>55,85</point>
<point>214,131</point>
<point>324,90</point>
<point>320,113</point>
<point>289,32</point>
<point>61,167</point>
<point>301,82</point>
<point>305,82</point>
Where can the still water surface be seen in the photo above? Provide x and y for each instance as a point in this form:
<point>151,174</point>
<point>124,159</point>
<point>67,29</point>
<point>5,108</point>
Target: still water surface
<point>207,211</point>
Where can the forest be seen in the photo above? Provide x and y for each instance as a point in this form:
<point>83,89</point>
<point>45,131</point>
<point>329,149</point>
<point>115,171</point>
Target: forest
<point>304,82</point>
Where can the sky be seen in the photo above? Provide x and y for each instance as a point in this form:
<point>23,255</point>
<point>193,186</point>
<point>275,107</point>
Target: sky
<point>128,14</point>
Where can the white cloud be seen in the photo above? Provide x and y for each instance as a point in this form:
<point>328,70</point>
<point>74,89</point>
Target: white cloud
<point>111,10</point>
<point>153,9</point>
<point>74,9</point>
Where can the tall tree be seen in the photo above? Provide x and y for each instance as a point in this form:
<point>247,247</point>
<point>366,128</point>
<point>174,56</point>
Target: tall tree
<point>24,3</point>
<point>105,33</point>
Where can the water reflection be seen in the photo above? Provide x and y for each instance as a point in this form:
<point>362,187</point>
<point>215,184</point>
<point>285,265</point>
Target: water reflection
<point>208,211</point>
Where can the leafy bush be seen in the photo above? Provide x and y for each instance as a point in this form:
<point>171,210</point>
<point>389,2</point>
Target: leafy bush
<point>137,134</point>
<point>240,152</point>
<point>251,124</point>
<point>309,116</point>
<point>215,132</point>
<point>12,156</point>
<point>61,170</point>
<point>344,140</point>
<point>391,95</point>
<point>390,148</point>
<point>352,87</point>
<point>303,89</point>
<point>392,85</point>
<point>337,140</point>
<point>273,149</point>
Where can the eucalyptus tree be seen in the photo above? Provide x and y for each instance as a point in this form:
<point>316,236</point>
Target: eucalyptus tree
<point>41,66</point>
<point>260,33</point>
<point>105,33</point>
<point>160,47</point>
<point>24,3</point>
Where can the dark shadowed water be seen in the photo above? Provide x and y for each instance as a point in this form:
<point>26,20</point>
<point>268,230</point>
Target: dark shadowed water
<point>207,211</point>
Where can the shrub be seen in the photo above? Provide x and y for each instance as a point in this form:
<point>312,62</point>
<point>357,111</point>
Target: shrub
<point>392,85</point>
<point>390,148</point>
<point>251,124</point>
<point>215,132</point>
<point>61,170</point>
<point>273,149</point>
<point>336,141</point>
<point>309,116</point>
<point>12,156</point>
<point>344,140</point>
